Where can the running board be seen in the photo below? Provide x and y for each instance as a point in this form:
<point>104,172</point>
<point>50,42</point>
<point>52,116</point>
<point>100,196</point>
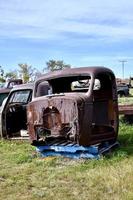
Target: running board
<point>18,138</point>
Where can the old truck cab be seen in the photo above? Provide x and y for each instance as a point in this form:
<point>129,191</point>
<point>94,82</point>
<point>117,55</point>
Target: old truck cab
<point>81,106</point>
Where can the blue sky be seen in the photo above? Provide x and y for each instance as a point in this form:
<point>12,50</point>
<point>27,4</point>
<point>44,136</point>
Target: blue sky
<point>80,32</point>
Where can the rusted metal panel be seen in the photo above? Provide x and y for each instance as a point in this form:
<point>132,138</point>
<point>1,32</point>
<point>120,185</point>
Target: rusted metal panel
<point>126,109</point>
<point>86,113</point>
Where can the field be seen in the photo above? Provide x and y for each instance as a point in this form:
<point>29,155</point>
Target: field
<point>24,175</point>
<point>126,100</point>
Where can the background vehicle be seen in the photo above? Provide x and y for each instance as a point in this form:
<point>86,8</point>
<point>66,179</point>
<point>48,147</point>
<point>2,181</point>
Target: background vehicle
<point>12,82</point>
<point>127,81</point>
<point>122,90</point>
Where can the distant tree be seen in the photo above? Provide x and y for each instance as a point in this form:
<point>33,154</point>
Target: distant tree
<point>26,71</point>
<point>37,74</point>
<point>53,65</point>
<point>11,75</point>
<point>2,80</point>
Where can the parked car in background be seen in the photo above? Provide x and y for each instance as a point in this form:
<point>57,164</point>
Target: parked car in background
<point>81,107</point>
<point>122,90</point>
<point>127,81</point>
<point>10,83</point>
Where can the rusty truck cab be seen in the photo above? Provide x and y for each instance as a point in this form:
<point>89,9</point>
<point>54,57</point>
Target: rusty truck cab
<point>81,106</point>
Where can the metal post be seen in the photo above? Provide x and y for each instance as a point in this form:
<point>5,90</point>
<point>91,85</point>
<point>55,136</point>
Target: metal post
<point>123,65</point>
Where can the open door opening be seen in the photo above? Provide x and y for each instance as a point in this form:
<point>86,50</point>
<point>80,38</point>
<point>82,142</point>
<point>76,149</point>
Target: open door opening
<point>14,116</point>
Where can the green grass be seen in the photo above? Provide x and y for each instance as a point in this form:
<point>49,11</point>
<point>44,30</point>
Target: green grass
<point>131,91</point>
<point>26,176</point>
<point>126,100</point>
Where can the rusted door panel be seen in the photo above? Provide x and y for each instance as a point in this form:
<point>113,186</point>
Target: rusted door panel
<point>86,124</point>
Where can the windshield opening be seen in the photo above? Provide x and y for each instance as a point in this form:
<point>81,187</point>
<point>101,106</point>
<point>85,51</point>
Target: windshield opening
<point>20,96</point>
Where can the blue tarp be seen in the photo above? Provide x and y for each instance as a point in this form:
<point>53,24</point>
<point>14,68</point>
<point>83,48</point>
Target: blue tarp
<point>76,151</point>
